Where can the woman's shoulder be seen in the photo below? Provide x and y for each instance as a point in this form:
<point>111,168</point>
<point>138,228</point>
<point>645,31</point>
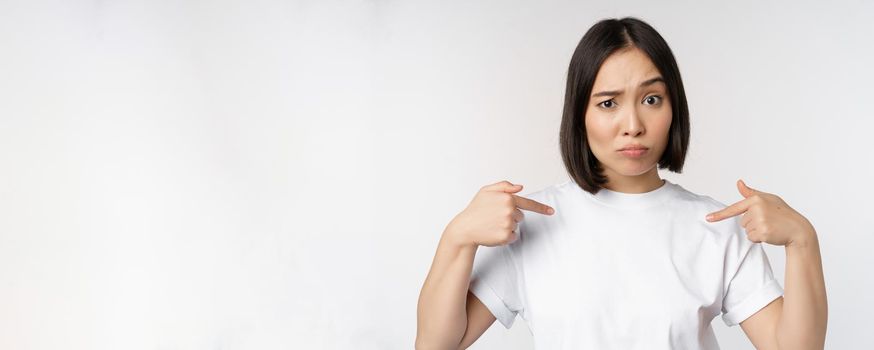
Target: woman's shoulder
<point>703,201</point>
<point>550,193</point>
<point>699,205</point>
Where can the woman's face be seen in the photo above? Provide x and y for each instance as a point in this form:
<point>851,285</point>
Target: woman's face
<point>629,105</point>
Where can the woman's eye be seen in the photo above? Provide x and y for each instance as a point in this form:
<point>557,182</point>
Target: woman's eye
<point>655,99</point>
<point>607,104</point>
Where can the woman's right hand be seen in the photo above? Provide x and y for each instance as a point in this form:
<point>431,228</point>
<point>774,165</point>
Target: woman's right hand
<point>491,217</point>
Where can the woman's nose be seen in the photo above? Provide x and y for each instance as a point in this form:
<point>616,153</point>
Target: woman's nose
<point>632,124</point>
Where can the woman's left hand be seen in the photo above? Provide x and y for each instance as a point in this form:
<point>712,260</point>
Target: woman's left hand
<point>767,218</point>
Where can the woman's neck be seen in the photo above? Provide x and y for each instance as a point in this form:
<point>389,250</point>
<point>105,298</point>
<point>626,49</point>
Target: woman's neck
<point>642,183</point>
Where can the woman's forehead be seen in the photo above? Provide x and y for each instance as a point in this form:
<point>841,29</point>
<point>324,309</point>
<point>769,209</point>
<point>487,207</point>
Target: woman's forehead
<point>626,68</point>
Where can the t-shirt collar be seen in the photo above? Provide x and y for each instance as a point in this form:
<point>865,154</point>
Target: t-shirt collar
<point>634,200</point>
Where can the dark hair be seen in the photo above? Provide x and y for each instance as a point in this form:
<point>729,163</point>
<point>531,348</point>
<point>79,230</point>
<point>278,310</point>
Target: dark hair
<point>604,38</point>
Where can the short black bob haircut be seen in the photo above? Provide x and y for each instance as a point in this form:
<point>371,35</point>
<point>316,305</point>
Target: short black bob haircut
<point>603,39</point>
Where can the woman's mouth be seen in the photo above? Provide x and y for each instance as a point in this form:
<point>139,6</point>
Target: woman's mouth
<point>634,153</point>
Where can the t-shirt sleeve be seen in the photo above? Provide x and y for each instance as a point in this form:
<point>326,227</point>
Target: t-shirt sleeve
<point>750,284</point>
<point>494,281</point>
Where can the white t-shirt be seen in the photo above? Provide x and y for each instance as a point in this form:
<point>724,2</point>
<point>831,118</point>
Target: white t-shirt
<point>624,271</point>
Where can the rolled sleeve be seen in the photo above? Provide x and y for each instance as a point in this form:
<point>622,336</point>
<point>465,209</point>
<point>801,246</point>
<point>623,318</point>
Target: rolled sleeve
<point>493,302</point>
<point>494,282</point>
<point>752,304</point>
<point>752,286</point>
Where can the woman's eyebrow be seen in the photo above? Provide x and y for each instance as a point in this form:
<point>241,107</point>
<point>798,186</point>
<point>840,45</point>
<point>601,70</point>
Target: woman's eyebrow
<point>651,81</point>
<point>648,82</point>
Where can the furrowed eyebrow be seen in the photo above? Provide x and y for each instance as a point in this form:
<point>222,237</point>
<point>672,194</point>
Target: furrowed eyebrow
<point>652,81</point>
<point>648,82</point>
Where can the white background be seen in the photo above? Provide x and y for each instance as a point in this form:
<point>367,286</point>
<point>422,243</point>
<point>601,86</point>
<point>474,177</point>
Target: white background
<point>276,175</point>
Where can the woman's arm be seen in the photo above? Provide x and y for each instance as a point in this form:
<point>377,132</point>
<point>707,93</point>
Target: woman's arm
<point>798,319</point>
<point>441,314</point>
<point>802,323</point>
<point>490,220</point>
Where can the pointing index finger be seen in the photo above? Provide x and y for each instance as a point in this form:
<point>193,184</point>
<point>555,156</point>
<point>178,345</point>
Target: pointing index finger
<point>729,211</point>
<point>531,205</point>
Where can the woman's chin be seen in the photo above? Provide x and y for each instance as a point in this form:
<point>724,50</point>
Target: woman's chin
<point>631,170</point>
